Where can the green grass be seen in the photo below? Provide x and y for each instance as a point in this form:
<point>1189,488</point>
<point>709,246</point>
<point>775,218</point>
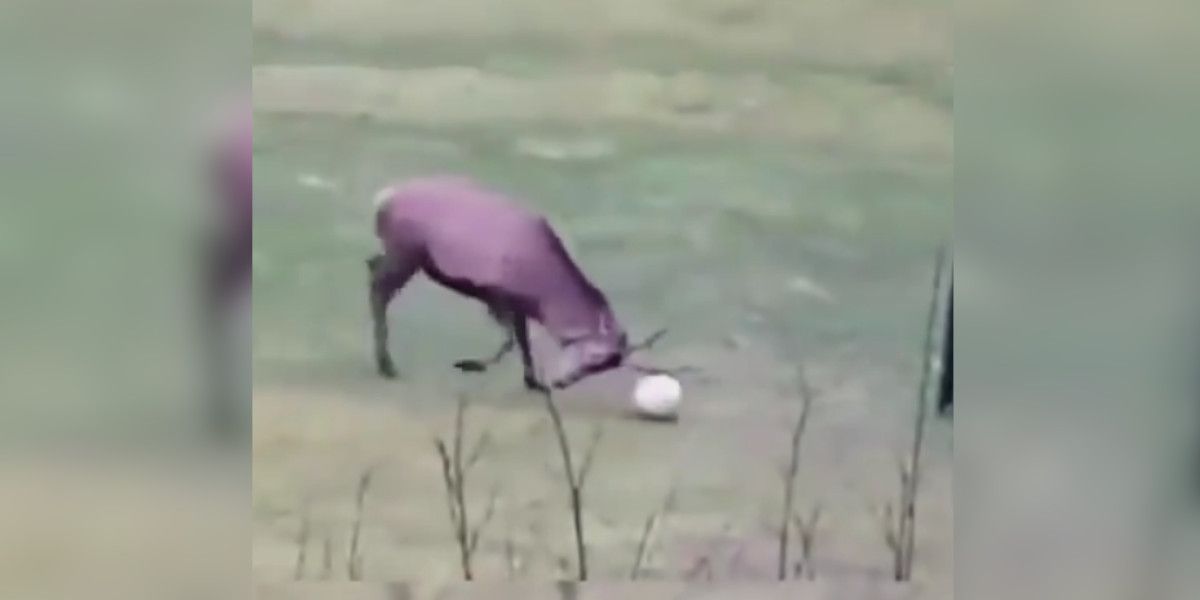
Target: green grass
<point>692,233</point>
<point>711,224</point>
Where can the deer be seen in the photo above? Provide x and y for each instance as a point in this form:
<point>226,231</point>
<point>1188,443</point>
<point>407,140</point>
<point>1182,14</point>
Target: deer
<point>226,257</point>
<point>229,245</point>
<point>482,245</point>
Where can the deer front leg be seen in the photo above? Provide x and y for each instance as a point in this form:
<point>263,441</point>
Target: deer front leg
<point>387,276</point>
<point>521,332</point>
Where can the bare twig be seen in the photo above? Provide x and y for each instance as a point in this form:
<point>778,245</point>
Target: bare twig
<point>488,513</point>
<point>643,548</point>
<point>302,542</point>
<point>510,554</point>
<point>481,445</point>
<point>649,530</point>
<point>455,467</point>
<point>574,483</point>
<point>891,537</point>
<point>459,416</point>
<point>807,396</point>
<point>911,474</point>
<point>702,567</point>
<point>460,499</point>
<point>354,557</point>
<point>807,529</point>
<point>900,521</point>
<point>589,456</point>
<point>448,481</point>
<point>903,525</point>
<point>327,558</point>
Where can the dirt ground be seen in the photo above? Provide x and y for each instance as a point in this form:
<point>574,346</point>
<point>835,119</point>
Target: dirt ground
<point>723,459</point>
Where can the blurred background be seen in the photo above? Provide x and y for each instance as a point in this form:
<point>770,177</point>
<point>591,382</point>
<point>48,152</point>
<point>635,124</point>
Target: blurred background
<point>1075,205</point>
<point>768,179</point>
<point>105,116</point>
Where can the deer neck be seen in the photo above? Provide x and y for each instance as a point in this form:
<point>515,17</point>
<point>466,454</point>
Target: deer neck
<point>573,317</point>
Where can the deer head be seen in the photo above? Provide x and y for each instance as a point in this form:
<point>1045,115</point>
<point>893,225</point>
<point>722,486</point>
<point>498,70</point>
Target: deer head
<point>606,349</point>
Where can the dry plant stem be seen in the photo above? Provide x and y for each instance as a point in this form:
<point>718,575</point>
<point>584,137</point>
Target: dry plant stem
<point>327,559</point>
<point>481,445</point>
<point>354,558</point>
<point>702,566</point>
<point>454,472</point>
<point>643,548</point>
<point>488,513</point>
<point>807,395</point>
<point>807,529</point>
<point>903,526</point>
<point>510,555</point>
<point>891,537</point>
<point>573,483</point>
<point>589,456</point>
<point>302,543</point>
<point>455,509</point>
<point>910,474</point>
<point>648,532</point>
<point>460,498</point>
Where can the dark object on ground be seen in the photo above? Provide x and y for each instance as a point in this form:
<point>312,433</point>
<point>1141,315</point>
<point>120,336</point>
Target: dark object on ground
<point>946,387</point>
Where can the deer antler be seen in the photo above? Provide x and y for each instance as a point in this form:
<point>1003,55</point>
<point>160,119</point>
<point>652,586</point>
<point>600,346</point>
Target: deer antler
<point>646,343</point>
<point>649,370</point>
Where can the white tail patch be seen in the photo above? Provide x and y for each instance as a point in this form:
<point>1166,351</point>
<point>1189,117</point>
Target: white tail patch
<point>383,196</point>
<point>316,182</point>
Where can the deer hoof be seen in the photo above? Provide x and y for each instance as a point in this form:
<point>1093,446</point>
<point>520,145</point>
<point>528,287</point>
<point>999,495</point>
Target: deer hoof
<point>470,366</point>
<point>387,370</point>
<point>533,385</point>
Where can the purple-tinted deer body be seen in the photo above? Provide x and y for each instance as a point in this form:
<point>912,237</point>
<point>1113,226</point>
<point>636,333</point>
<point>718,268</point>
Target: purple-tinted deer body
<point>482,245</point>
<point>232,245</point>
<point>227,262</point>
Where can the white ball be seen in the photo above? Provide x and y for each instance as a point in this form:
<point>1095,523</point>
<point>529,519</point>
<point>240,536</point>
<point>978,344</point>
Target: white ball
<point>658,396</point>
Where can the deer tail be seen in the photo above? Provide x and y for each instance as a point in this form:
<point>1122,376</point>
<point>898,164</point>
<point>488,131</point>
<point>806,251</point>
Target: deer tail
<point>380,203</point>
<point>382,197</point>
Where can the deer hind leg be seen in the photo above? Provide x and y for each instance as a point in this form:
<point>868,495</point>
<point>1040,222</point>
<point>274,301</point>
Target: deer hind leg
<point>388,273</point>
<point>506,319</point>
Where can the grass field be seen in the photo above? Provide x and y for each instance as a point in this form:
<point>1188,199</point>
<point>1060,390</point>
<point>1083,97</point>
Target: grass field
<point>768,199</point>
